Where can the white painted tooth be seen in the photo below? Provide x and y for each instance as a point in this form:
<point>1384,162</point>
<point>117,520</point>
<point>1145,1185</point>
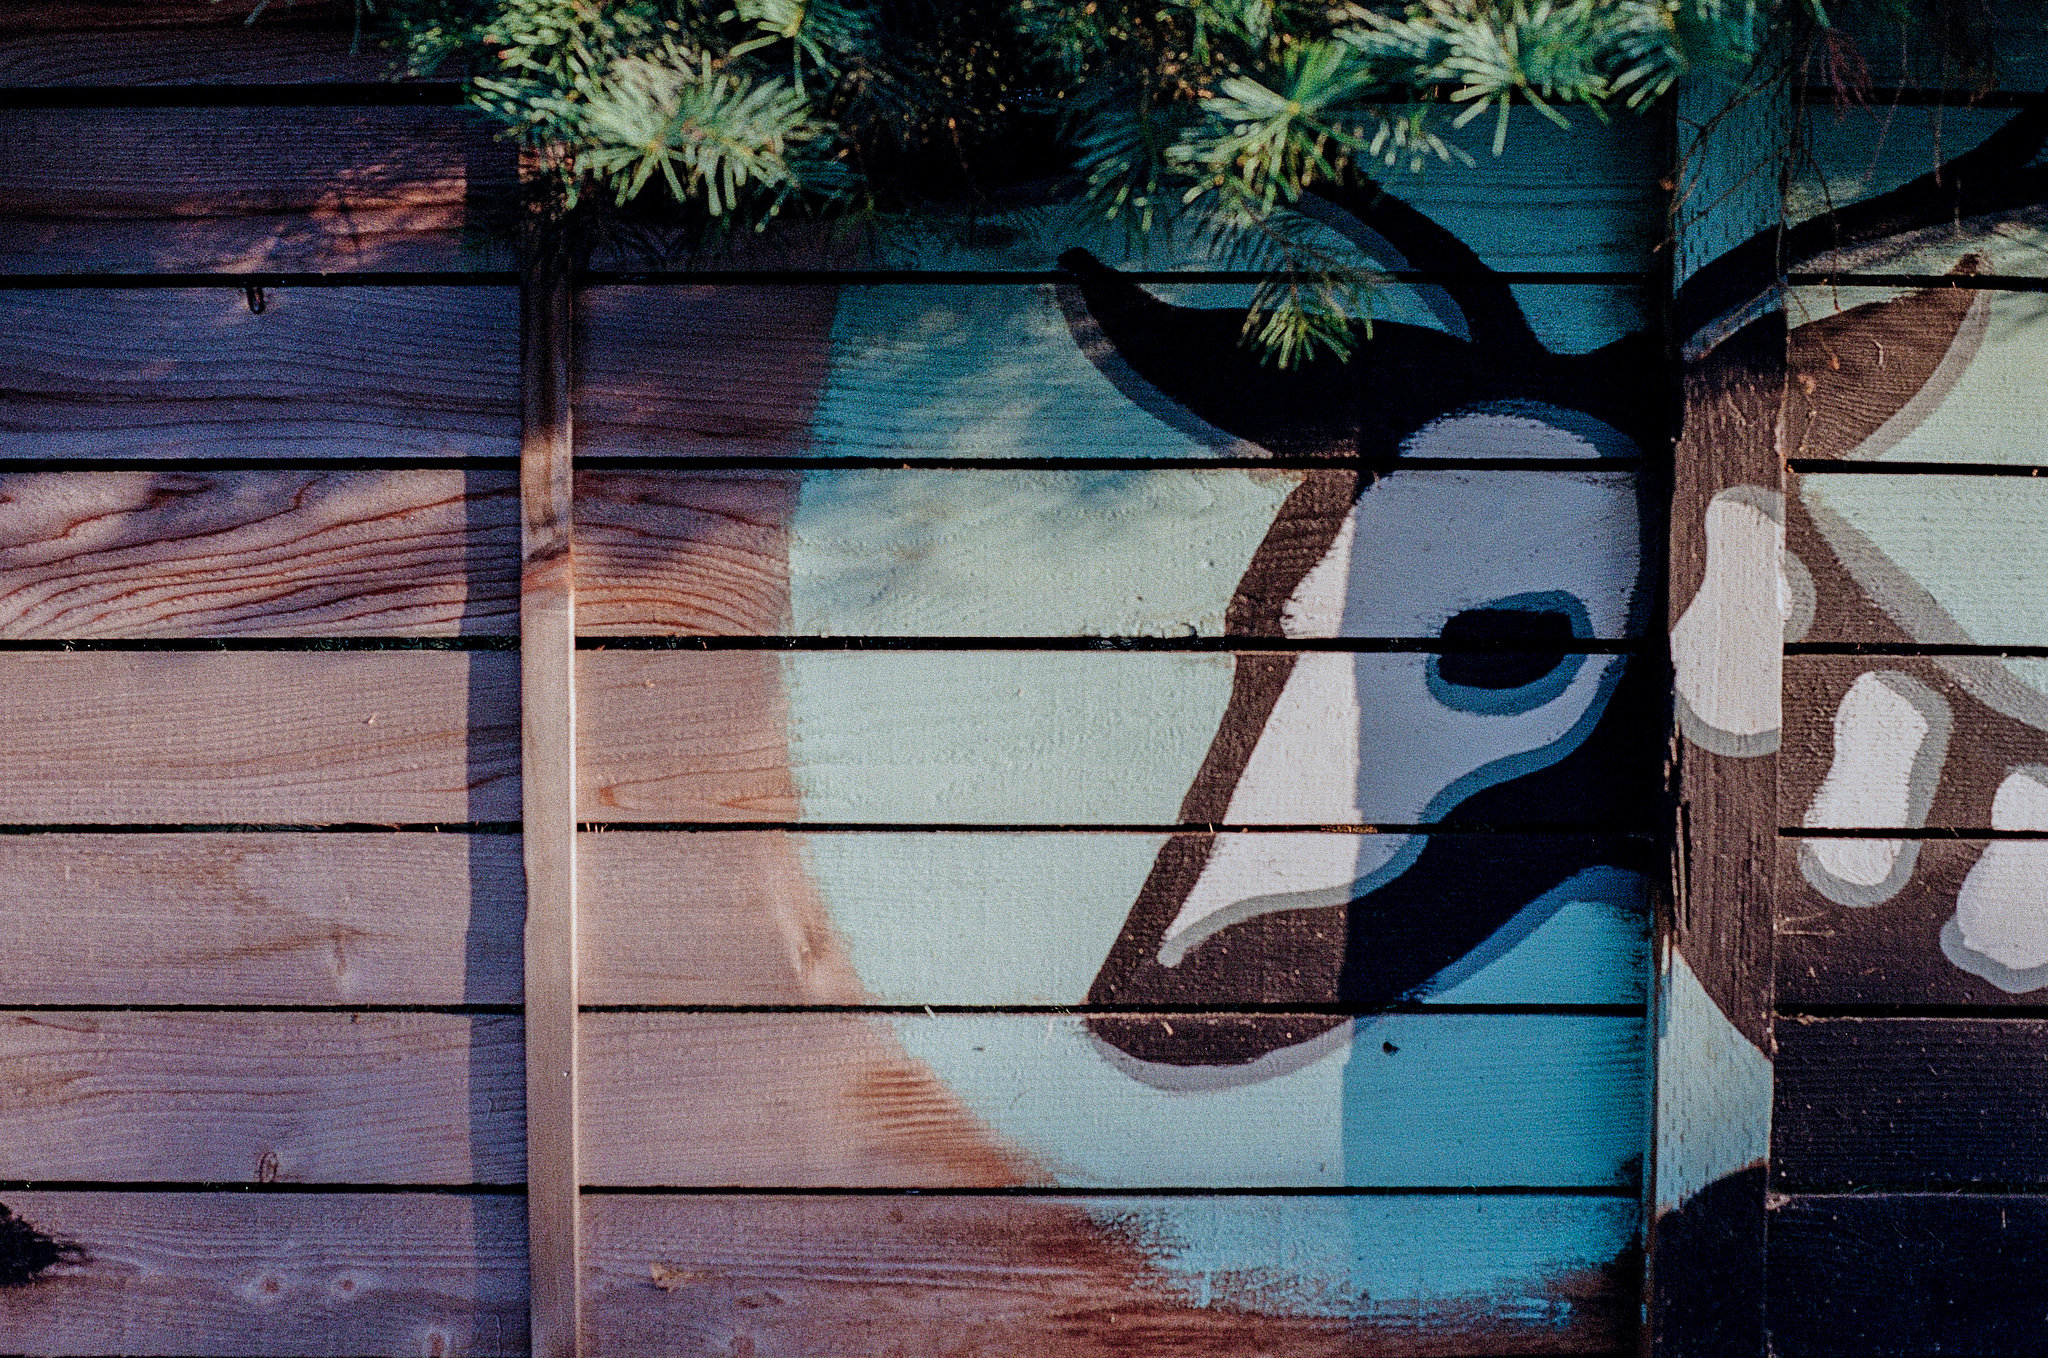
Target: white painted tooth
<point>2002,909</point>
<point>1891,736</point>
<point>1726,649</point>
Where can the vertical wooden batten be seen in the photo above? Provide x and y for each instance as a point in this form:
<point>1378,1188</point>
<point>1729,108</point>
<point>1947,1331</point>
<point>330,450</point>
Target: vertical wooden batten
<point>547,649</point>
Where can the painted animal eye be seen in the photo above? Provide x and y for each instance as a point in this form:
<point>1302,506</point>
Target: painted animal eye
<point>1495,680</point>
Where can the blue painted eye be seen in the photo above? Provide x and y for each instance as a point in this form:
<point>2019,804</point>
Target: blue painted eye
<point>1497,680</point>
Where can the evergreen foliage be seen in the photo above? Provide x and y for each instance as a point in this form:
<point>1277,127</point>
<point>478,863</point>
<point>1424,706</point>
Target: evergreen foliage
<point>702,117</point>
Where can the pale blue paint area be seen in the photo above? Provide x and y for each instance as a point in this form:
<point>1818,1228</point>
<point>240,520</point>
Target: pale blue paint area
<point>979,372</point>
<point>1974,548</point>
<point>1467,1100</point>
<point>1364,1256</point>
<point>1028,919</point>
<point>957,737</point>
<point>1540,1099</point>
<point>2029,670</point>
<point>1592,949</point>
<point>979,919</point>
<point>1713,1092</point>
<point>1995,411</point>
<point>1003,553</point>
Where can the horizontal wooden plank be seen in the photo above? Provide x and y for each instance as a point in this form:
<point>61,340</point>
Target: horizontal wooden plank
<point>287,1097</point>
<point>221,554</point>
<point>1898,742</point>
<point>1905,1102</point>
<point>183,42</point>
<point>974,371</point>
<point>259,737</point>
<point>261,919</point>
<point>775,918</point>
<point>789,1277</point>
<point>150,373</point>
<point>1938,560</point>
<point>1063,738</point>
<point>952,1100</point>
<point>1901,1275</point>
<point>321,1275</point>
<point>1964,925</point>
<point>993,553</point>
<point>1934,374</point>
<point>1994,45</point>
<point>140,190</point>
<point>1854,153</point>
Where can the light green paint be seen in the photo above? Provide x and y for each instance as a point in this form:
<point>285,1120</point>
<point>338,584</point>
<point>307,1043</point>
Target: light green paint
<point>1713,1091</point>
<point>1001,553</point>
<point>1956,560</point>
<point>1028,919</point>
<point>1366,1256</point>
<point>959,737</point>
<point>1465,1100</point>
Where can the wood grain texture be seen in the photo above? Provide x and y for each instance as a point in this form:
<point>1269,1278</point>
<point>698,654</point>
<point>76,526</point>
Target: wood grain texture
<point>1900,1275</point>
<point>777,918</point>
<point>259,737</point>
<point>288,1097</point>
<point>1932,754</point>
<point>182,42</point>
<point>1014,553</point>
<point>1910,1102</point>
<point>1891,953</point>
<point>260,919</point>
<point>151,554</point>
<point>176,372</point>
<point>791,1277</point>
<point>962,1100</point>
<point>970,737</point>
<point>231,1274</point>
<point>239,189</point>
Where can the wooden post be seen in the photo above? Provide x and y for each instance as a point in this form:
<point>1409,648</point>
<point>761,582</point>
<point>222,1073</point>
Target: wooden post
<point>1713,1006</point>
<point>547,694</point>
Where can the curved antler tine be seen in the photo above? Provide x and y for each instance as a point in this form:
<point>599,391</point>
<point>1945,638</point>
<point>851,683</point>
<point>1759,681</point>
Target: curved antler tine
<point>1366,210</point>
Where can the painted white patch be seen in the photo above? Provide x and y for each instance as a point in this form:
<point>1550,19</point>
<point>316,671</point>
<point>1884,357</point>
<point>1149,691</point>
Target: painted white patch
<point>2002,908</point>
<point>1891,735</point>
<point>1420,546</point>
<point>1490,435</point>
<point>1249,875</point>
<point>1726,649</point>
<point>1304,770</point>
<point>1713,1091</point>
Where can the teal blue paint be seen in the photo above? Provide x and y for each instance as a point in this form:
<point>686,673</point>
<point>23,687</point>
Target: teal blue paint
<point>1538,1099</point>
<point>979,919</point>
<point>1713,1092</point>
<point>955,737</point>
<point>1354,1257</point>
<point>1591,949</point>
<point>1003,553</point>
<point>1466,1100</point>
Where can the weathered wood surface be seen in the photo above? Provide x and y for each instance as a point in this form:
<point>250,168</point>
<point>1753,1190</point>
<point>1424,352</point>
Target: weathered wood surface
<point>969,737</point>
<point>792,1277</point>
<point>977,371</point>
<point>196,373</point>
<point>290,1097</point>
<point>259,737</point>
<point>959,1100</point>
<point>1002,553</point>
<point>774,918</point>
<point>1934,374</point>
<point>183,42</point>
<point>1895,742</point>
<point>157,190</point>
<point>1851,155</point>
<point>1996,44</point>
<point>1872,1102</point>
<point>150,554</point>
<point>1915,948</point>
<point>260,919</point>
<point>1901,1275</point>
<point>277,1275</point>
